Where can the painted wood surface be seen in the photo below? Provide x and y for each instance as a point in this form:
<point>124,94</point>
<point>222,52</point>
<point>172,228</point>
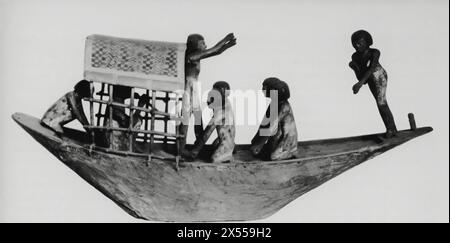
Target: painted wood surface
<point>247,189</point>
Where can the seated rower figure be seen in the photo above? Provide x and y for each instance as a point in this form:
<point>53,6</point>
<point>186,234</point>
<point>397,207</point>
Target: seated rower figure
<point>68,108</point>
<point>365,63</point>
<point>277,135</point>
<point>222,121</point>
<point>120,139</point>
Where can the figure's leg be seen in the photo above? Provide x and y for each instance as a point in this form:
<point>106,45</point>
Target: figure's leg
<point>137,126</point>
<point>224,145</point>
<point>223,153</point>
<point>58,115</point>
<point>183,130</point>
<point>275,140</point>
<point>198,121</point>
<point>197,110</point>
<point>60,119</point>
<point>280,155</point>
<point>378,87</point>
<point>216,143</point>
<point>286,149</point>
<point>388,119</point>
<point>186,111</point>
<point>275,143</point>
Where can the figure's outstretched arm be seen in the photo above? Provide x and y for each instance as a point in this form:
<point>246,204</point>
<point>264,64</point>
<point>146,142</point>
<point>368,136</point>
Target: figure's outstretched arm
<point>355,66</point>
<point>220,47</point>
<point>363,77</point>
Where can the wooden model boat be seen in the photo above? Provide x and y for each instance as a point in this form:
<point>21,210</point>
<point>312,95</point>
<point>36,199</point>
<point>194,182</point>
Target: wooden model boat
<point>148,180</point>
<point>247,189</point>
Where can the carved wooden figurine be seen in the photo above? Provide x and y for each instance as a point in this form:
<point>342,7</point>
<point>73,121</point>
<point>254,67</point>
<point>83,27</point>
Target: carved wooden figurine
<point>120,139</point>
<point>68,108</point>
<point>365,63</point>
<point>276,138</point>
<point>196,51</point>
<point>222,121</point>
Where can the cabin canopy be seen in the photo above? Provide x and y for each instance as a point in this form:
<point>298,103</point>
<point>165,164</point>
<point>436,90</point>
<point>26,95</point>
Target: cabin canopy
<point>151,68</point>
<point>152,65</point>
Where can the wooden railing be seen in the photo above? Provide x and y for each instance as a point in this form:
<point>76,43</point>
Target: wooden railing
<point>146,135</point>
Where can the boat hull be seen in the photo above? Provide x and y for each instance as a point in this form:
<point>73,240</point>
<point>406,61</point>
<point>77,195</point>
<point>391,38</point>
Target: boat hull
<point>197,192</point>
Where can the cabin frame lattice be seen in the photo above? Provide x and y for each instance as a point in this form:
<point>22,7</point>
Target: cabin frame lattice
<point>153,68</point>
<point>101,101</point>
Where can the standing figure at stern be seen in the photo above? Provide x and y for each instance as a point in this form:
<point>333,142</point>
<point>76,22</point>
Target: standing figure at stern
<point>365,63</point>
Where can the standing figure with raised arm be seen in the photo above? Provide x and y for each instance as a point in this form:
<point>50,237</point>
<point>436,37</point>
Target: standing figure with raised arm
<point>276,138</point>
<point>196,51</point>
<point>365,63</point>
<point>222,121</point>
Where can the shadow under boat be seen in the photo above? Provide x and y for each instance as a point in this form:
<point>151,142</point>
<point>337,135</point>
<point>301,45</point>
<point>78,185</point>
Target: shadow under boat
<point>247,189</point>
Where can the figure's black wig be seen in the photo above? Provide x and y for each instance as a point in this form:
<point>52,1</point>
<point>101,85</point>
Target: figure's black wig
<point>83,88</point>
<point>283,90</point>
<point>122,91</point>
<point>362,34</point>
<point>192,42</point>
<point>282,87</point>
<point>269,82</point>
<point>222,87</point>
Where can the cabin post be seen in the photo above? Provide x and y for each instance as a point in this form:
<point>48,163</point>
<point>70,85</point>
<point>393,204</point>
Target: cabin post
<point>130,127</point>
<point>166,110</point>
<point>147,92</point>
<point>152,124</point>
<point>177,134</point>
<point>110,101</point>
<point>412,121</point>
<point>91,107</point>
<point>100,105</point>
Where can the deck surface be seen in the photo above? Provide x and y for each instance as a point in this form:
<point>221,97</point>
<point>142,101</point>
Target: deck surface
<point>307,149</point>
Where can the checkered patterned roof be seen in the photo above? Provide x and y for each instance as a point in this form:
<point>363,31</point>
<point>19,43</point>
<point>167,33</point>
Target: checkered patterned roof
<point>138,63</point>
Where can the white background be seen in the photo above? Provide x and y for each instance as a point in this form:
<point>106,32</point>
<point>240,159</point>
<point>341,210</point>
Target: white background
<point>306,43</point>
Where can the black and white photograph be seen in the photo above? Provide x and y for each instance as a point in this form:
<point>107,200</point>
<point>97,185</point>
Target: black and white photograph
<point>224,111</point>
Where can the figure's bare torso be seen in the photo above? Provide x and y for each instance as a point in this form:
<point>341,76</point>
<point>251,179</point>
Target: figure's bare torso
<point>191,69</point>
<point>363,62</point>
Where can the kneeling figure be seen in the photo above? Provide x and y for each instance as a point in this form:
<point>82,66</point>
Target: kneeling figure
<point>276,138</point>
